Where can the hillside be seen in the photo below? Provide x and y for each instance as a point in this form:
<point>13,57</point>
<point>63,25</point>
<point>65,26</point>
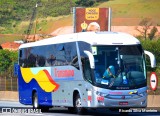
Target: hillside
<point>131,12</point>
<point>13,12</point>
<point>124,13</point>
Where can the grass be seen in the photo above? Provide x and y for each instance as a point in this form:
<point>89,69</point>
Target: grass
<point>136,9</point>
<point>60,22</point>
<point>124,13</point>
<point>44,26</point>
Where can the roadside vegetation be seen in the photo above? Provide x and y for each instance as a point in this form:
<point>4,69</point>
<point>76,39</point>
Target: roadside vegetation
<point>16,14</point>
<point>7,60</point>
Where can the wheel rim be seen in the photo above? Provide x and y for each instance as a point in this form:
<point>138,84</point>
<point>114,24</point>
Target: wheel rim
<point>35,102</point>
<point>78,103</point>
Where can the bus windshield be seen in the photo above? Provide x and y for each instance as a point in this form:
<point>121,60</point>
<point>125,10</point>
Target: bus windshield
<point>119,67</point>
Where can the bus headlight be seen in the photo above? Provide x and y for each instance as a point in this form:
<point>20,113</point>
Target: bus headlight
<point>101,94</point>
<point>143,102</point>
<point>142,94</point>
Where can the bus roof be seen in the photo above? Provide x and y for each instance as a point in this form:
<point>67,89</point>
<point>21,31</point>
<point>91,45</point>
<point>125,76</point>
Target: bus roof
<point>93,38</point>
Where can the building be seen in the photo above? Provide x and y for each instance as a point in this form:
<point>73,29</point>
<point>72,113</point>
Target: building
<point>10,46</point>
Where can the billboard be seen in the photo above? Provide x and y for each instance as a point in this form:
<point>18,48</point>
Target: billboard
<point>85,19</point>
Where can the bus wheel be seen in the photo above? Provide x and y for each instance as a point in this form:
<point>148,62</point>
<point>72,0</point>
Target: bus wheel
<point>78,105</point>
<point>44,108</point>
<point>35,101</point>
<point>71,109</point>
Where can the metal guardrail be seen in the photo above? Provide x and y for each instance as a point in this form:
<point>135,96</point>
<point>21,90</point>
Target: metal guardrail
<point>8,83</point>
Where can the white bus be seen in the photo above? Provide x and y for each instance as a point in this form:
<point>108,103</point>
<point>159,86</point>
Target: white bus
<point>84,70</point>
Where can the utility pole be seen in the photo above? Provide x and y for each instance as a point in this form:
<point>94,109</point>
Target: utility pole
<point>31,22</point>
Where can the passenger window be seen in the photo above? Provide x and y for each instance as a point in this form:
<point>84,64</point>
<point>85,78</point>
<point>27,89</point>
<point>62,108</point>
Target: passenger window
<point>41,61</point>
<point>60,55</point>
<point>49,55</point>
<point>71,54</point>
<point>20,53</point>
<point>21,58</point>
<point>31,62</point>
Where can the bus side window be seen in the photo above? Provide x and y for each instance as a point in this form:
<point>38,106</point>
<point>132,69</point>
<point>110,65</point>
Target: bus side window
<point>31,60</point>
<point>60,55</point>
<point>23,58</point>
<point>71,54</point>
<point>74,55</point>
<point>41,61</point>
<point>20,58</point>
<point>20,54</point>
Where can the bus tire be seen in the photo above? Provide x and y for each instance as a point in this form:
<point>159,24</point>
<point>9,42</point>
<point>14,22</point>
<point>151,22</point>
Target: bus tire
<point>78,105</point>
<point>35,101</point>
<point>71,109</point>
<point>36,104</point>
<point>44,108</point>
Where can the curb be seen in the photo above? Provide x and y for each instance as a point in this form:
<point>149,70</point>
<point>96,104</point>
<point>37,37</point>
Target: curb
<point>9,95</point>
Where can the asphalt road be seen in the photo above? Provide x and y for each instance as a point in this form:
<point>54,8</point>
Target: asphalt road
<point>17,109</point>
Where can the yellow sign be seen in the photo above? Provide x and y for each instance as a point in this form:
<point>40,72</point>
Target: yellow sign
<point>92,13</point>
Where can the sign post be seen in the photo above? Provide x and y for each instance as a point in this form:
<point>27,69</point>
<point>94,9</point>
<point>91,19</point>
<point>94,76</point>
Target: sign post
<point>153,81</point>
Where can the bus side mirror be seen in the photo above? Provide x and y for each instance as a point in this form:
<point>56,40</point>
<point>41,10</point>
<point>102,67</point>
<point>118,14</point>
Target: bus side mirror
<point>91,58</point>
<point>152,58</point>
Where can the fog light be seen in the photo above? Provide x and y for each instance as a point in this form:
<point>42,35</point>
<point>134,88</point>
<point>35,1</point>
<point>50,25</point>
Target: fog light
<point>143,102</point>
<point>100,98</point>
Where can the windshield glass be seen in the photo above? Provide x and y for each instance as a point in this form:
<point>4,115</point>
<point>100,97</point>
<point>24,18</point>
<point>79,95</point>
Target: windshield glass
<point>119,67</point>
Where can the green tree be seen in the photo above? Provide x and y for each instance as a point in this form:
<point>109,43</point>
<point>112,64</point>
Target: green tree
<point>5,60</point>
<point>151,35</point>
<point>14,59</point>
<point>86,3</point>
<point>152,46</point>
<point>144,27</point>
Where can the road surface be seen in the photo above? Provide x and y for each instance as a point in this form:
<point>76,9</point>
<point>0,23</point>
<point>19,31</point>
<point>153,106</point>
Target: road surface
<point>17,109</point>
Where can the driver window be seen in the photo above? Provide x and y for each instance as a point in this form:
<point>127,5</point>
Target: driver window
<point>85,60</point>
<point>86,69</point>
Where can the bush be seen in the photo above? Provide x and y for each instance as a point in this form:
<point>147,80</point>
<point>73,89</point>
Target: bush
<point>151,35</point>
<point>7,60</point>
<point>86,3</point>
<point>152,46</point>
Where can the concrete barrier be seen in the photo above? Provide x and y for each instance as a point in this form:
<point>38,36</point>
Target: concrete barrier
<point>153,100</point>
<point>9,95</point>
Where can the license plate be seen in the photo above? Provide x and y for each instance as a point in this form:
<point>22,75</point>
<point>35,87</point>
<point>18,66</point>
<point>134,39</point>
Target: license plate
<point>123,103</point>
